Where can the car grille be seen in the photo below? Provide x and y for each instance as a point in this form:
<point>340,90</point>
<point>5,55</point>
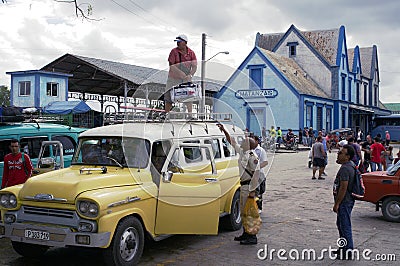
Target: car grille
<point>49,212</point>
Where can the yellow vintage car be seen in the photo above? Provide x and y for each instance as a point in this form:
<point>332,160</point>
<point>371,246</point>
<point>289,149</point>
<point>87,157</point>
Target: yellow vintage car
<point>126,182</point>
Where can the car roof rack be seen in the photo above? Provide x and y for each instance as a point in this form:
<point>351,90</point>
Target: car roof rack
<point>151,115</point>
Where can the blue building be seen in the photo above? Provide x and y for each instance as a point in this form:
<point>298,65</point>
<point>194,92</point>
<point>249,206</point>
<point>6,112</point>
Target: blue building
<point>303,79</point>
<point>37,88</point>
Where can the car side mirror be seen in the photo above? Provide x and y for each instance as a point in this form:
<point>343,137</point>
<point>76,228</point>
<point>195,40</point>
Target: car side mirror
<point>167,176</point>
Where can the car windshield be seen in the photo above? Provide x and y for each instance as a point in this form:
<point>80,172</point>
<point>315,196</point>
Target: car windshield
<point>113,151</point>
<point>393,169</point>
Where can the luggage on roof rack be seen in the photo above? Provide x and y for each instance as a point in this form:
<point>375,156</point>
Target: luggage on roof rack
<point>10,114</point>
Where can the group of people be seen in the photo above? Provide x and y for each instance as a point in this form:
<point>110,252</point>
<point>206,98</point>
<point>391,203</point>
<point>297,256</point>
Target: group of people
<point>378,155</point>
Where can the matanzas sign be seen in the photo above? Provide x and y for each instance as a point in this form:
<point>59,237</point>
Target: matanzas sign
<point>267,93</point>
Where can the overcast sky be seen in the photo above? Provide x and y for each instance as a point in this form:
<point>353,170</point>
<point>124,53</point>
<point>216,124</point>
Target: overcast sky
<point>35,32</point>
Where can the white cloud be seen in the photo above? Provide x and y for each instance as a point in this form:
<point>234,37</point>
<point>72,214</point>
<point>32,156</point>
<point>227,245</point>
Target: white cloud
<point>141,32</point>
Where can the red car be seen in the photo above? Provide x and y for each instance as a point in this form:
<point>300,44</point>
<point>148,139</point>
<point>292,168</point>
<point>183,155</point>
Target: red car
<point>383,189</point>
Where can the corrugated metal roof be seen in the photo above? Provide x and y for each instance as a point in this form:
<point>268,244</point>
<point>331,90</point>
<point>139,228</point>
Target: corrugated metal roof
<point>136,74</point>
<point>295,74</point>
<point>394,107</point>
<point>98,76</point>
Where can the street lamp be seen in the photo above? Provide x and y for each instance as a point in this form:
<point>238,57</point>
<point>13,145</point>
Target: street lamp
<point>203,73</point>
<point>224,52</point>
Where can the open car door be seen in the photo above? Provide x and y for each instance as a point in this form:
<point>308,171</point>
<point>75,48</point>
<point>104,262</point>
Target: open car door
<point>189,192</point>
<point>54,162</point>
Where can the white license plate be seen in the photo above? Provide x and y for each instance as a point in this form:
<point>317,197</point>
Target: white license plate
<point>34,234</point>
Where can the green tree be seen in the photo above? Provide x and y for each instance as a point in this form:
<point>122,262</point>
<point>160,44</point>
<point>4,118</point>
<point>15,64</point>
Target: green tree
<point>4,96</point>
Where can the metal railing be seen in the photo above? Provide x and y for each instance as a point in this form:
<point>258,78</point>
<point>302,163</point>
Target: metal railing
<point>141,114</point>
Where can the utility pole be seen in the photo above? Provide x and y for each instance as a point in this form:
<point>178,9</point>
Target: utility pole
<point>203,73</point>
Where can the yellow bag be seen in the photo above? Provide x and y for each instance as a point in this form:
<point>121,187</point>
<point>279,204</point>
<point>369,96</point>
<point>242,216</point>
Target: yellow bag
<point>251,218</point>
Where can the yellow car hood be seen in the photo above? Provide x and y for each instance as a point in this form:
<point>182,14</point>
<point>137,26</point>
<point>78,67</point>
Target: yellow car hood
<point>67,184</point>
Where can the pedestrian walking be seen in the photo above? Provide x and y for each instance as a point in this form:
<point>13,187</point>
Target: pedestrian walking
<point>387,137</point>
<point>279,136</point>
<point>249,170</point>
<point>318,158</point>
<point>310,137</point>
<point>376,151</point>
<point>17,166</point>
<point>344,201</point>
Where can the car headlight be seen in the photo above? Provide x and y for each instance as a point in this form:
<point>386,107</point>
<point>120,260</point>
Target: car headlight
<point>8,200</point>
<point>88,208</point>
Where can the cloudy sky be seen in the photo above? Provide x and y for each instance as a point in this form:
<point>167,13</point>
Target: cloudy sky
<point>141,32</point>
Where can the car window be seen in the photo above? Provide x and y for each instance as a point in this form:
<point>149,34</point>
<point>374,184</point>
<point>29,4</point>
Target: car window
<point>192,154</point>
<point>68,143</point>
<point>228,149</point>
<point>159,154</point>
<point>4,148</point>
<point>392,170</point>
<point>131,152</point>
<point>215,147</point>
<point>32,145</point>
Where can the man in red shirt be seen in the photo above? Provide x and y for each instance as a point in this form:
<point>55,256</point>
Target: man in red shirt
<point>376,150</point>
<point>182,66</point>
<point>16,170</point>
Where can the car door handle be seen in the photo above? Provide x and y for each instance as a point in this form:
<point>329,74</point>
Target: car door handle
<point>210,179</point>
<point>387,181</point>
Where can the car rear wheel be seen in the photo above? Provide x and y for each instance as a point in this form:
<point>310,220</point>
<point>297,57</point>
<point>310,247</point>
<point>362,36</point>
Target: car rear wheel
<point>29,250</point>
<point>127,245</point>
<point>233,221</point>
<point>391,209</point>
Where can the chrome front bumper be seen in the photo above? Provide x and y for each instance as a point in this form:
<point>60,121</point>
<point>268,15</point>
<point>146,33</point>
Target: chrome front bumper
<point>58,236</point>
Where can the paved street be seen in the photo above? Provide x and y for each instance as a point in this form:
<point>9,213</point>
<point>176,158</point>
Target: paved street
<point>297,215</point>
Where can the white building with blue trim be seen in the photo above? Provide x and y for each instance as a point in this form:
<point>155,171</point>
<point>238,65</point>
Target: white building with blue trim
<point>37,88</point>
<point>303,79</point>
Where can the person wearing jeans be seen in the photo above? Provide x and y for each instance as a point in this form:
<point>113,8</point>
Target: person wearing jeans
<point>344,201</point>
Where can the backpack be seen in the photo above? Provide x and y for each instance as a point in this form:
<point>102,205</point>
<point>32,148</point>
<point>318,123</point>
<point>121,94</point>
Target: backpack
<point>358,188</point>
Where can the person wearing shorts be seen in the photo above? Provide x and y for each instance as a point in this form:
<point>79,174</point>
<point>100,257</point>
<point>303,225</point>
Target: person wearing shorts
<point>318,158</point>
<point>182,66</point>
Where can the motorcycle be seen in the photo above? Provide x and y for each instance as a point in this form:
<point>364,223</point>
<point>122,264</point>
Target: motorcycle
<point>269,144</point>
<point>292,144</point>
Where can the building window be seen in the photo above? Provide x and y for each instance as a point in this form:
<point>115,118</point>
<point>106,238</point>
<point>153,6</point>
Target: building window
<point>349,89</point>
<point>328,126</point>
<point>343,118</point>
<point>319,117</point>
<point>309,115</point>
<point>292,48</point>
<point>24,88</point>
<point>357,93</point>
<point>256,76</point>
<point>52,89</point>
<point>365,94</point>
<point>343,88</point>
<point>376,97</point>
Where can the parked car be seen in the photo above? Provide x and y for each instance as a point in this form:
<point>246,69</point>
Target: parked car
<point>382,188</point>
<point>31,136</point>
<point>127,182</point>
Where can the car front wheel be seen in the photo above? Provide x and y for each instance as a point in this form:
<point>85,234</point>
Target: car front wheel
<point>391,209</point>
<point>127,245</point>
